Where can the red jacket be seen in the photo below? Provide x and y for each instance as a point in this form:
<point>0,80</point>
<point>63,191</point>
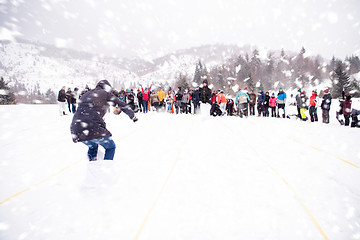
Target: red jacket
<point>213,98</point>
<point>313,100</point>
<point>146,94</point>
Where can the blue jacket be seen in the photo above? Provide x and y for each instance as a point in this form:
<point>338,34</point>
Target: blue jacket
<point>281,97</point>
<point>239,94</point>
<point>261,98</point>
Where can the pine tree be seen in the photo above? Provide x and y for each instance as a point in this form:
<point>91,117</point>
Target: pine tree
<point>340,80</point>
<point>221,81</point>
<point>268,76</point>
<point>250,82</point>
<point>6,96</point>
<point>198,73</point>
<point>282,54</point>
<point>354,64</point>
<point>50,97</point>
<point>182,82</point>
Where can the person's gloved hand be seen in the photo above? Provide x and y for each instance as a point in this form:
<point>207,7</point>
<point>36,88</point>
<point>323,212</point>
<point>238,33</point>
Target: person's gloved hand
<point>117,111</point>
<point>134,119</point>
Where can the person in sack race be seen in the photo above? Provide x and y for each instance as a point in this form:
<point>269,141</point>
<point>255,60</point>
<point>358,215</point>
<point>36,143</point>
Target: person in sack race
<point>88,125</point>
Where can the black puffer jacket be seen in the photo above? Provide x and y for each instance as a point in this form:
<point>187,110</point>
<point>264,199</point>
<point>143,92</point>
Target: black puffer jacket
<point>206,94</point>
<point>326,102</point>
<point>62,95</point>
<point>88,122</point>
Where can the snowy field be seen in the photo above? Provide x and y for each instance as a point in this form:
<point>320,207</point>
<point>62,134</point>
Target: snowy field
<point>178,177</point>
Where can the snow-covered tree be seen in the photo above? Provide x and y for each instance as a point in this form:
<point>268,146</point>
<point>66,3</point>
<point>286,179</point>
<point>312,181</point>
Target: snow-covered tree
<point>6,95</point>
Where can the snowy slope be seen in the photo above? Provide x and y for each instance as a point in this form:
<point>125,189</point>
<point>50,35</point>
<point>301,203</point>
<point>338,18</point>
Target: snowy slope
<point>170,69</point>
<point>41,67</point>
<point>28,64</point>
<point>179,177</point>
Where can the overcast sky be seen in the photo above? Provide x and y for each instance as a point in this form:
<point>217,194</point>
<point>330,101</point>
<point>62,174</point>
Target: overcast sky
<point>130,28</point>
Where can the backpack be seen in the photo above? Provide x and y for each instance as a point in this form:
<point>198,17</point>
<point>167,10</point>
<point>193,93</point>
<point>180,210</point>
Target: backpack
<point>243,99</point>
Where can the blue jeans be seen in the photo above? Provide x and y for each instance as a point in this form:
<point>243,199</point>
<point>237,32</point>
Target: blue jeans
<point>106,142</point>
<point>145,104</point>
<point>169,106</point>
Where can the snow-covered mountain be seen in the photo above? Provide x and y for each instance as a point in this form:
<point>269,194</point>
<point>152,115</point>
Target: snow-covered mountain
<point>168,67</point>
<point>32,68</point>
<point>39,67</point>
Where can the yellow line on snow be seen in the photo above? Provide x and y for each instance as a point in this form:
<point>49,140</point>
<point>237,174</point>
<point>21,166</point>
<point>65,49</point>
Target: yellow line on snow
<point>162,188</point>
<point>287,184</point>
<point>321,150</point>
<point>51,176</point>
<point>40,182</point>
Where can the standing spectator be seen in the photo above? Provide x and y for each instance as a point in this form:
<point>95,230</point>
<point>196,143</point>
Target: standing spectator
<point>313,107</point>
<point>281,100</point>
<point>169,101</point>
<point>252,102</point>
<point>154,101</point>
<point>241,101</point>
<point>298,102</point>
<point>272,104</point>
<point>196,100</point>
<point>260,102</point>
<point>205,92</point>
<point>145,98</point>
<point>122,96</point>
<point>139,96</point>
<point>325,106</point>
<point>84,91</point>
<point>303,105</point>
<point>88,125</point>
<point>178,98</point>
<point>68,98</point>
<point>61,101</point>
<point>73,100</point>
<point>347,108</point>
<point>130,99</point>
<point>185,101</point>
<point>161,95</point>
<point>266,104</point>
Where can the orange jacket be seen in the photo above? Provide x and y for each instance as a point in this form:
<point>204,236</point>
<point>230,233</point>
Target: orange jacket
<point>221,98</point>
